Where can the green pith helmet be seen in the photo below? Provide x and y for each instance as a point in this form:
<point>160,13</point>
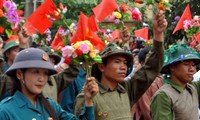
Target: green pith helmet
<point>10,44</point>
<point>177,53</point>
<point>31,58</point>
<point>111,49</point>
<point>52,54</point>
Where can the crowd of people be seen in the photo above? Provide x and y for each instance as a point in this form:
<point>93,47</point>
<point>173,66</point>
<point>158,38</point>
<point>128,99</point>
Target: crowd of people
<point>150,83</point>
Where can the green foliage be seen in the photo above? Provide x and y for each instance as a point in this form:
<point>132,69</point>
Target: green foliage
<point>5,24</point>
<point>177,10</point>
<point>19,4</point>
<point>75,6</point>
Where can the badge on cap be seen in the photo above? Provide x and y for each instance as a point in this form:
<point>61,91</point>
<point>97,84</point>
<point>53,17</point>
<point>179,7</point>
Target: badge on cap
<point>45,57</point>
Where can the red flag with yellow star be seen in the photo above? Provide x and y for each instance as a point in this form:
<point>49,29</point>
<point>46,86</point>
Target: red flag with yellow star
<point>105,8</point>
<point>92,24</point>
<point>42,18</point>
<point>85,32</point>
<point>57,43</point>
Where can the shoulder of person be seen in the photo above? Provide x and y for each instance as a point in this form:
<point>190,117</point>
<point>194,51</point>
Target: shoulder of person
<point>52,102</point>
<point>6,100</point>
<point>79,103</point>
<point>81,93</point>
<point>49,99</point>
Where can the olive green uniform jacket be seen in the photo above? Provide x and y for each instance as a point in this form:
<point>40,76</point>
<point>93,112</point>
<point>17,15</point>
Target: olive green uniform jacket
<point>172,102</point>
<point>116,104</point>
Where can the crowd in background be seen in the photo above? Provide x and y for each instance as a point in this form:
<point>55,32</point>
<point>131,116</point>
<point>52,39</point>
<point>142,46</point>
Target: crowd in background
<point>134,81</point>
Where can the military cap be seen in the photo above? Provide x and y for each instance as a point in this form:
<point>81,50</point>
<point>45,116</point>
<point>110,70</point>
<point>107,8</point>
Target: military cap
<point>111,49</point>
<point>52,54</point>
<point>31,58</point>
<point>10,44</point>
<point>177,53</point>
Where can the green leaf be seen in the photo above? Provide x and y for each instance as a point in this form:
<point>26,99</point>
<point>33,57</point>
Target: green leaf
<point>8,32</point>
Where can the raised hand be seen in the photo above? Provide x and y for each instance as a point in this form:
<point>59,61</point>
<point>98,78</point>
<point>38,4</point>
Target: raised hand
<point>23,38</point>
<point>159,25</point>
<point>125,34</point>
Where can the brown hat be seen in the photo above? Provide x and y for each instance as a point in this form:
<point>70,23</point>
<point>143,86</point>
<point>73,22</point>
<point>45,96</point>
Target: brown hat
<point>112,49</point>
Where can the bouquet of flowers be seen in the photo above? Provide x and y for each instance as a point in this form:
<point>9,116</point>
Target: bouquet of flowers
<point>163,5</point>
<point>123,13</point>
<point>81,52</point>
<point>120,14</point>
<point>192,27</point>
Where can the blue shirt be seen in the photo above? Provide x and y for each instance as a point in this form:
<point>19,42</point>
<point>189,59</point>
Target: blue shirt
<point>18,107</point>
<point>69,94</point>
<point>6,66</point>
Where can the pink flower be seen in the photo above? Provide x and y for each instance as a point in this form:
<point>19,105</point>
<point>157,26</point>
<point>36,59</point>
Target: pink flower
<point>11,12</point>
<point>117,21</point>
<point>84,48</point>
<point>9,6</point>
<point>136,14</point>
<point>196,18</point>
<point>111,18</point>
<point>195,24</point>
<point>67,51</point>
<point>74,55</point>
<point>12,17</point>
<point>191,26</point>
<point>186,24</point>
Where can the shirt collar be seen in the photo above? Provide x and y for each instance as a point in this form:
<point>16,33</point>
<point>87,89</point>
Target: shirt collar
<point>178,87</point>
<point>24,101</point>
<point>104,89</point>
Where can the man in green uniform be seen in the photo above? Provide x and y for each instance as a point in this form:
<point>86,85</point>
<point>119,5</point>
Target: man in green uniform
<point>116,96</point>
<point>10,50</point>
<point>178,99</point>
